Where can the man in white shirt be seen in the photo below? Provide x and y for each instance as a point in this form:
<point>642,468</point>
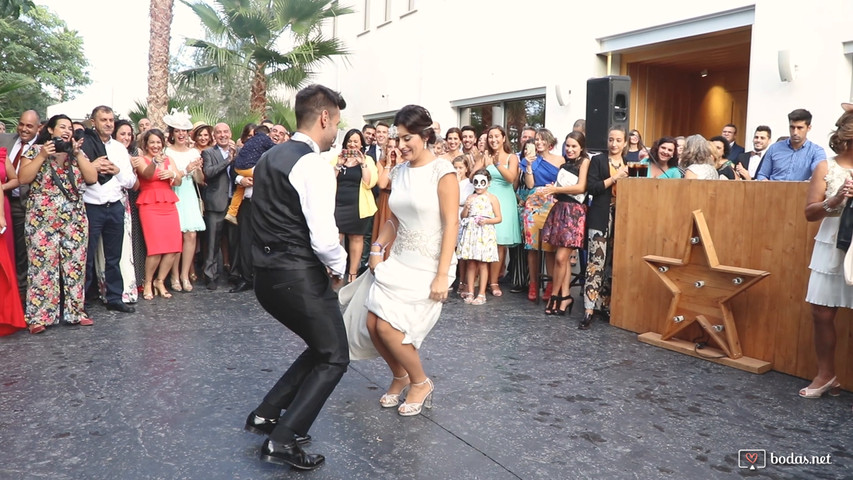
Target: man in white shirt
<point>747,163</point>
<point>103,204</point>
<point>16,145</point>
<point>298,262</point>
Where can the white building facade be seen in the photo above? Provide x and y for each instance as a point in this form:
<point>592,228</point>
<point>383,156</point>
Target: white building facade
<point>694,66</point>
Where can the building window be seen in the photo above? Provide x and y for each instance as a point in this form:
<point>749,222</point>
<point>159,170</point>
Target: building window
<point>411,5</point>
<point>387,10</point>
<point>512,114</point>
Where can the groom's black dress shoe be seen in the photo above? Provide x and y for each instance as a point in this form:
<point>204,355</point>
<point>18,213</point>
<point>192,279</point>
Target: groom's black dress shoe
<point>265,426</point>
<point>241,286</point>
<point>290,454</point>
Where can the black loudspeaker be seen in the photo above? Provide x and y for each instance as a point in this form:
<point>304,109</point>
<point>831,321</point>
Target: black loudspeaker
<point>607,100</point>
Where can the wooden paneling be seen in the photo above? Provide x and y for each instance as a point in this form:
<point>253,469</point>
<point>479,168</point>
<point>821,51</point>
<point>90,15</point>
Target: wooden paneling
<point>670,97</point>
<point>758,225</point>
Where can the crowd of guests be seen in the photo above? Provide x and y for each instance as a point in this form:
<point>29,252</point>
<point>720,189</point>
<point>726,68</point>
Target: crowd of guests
<point>528,210</point>
<point>100,212</point>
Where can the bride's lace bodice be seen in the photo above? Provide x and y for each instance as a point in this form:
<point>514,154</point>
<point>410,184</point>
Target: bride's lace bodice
<point>414,201</point>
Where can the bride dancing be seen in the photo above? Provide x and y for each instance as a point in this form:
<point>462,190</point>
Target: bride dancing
<point>405,301</point>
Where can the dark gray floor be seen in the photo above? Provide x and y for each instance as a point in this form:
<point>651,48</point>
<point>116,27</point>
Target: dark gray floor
<point>163,394</point>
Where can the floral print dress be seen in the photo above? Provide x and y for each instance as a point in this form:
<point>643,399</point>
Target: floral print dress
<point>57,233</point>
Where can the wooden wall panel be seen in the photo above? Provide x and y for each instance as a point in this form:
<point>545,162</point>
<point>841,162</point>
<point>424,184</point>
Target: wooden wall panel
<point>668,101</point>
<point>759,225</point>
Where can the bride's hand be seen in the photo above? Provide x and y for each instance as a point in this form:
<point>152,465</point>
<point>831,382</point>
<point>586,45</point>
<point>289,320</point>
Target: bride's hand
<point>373,261</point>
<point>438,288</point>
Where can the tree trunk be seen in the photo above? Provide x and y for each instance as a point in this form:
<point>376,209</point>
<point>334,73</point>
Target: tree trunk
<point>158,61</point>
<point>259,91</point>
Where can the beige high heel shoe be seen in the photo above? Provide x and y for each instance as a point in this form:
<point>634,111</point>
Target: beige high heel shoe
<point>832,386</point>
<point>390,400</point>
<point>412,409</point>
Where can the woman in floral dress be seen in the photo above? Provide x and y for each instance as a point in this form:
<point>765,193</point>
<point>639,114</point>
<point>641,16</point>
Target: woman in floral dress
<point>56,226</point>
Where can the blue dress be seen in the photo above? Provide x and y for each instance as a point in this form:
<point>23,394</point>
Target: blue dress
<point>189,210</point>
<point>509,230</point>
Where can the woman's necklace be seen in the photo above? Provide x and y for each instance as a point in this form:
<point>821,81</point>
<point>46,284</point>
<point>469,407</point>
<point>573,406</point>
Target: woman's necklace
<point>616,166</point>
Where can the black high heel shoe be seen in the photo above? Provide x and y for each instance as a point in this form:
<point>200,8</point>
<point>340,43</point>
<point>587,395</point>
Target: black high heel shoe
<point>553,304</point>
<point>571,304</point>
<point>586,322</point>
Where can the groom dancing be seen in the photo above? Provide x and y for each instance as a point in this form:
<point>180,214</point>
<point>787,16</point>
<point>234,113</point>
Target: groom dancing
<point>298,262</point>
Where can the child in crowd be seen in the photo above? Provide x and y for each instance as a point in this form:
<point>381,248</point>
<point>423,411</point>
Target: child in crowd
<point>460,163</point>
<point>477,237</point>
<point>439,147</point>
<point>245,163</point>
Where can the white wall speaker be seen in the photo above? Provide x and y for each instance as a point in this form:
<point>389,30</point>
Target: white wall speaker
<point>787,67</point>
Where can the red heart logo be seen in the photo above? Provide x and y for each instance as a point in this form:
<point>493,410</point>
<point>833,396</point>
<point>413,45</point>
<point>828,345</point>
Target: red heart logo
<point>752,457</point>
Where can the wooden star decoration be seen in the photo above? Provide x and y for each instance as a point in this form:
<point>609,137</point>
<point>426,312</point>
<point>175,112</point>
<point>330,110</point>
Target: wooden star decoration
<point>702,288</point>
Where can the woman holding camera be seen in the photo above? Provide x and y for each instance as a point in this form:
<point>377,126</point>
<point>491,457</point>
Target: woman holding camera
<point>354,202</point>
<point>56,225</point>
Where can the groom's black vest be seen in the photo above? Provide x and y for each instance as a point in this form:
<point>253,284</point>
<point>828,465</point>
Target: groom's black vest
<point>280,235</point>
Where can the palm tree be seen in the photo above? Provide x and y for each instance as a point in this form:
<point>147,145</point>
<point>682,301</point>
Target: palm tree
<point>245,34</point>
<point>158,60</point>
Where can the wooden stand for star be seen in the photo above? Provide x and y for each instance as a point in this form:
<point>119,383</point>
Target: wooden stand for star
<point>701,291</point>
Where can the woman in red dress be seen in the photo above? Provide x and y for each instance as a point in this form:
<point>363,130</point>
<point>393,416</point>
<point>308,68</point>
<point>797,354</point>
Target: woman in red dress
<point>11,310</point>
<point>158,214</point>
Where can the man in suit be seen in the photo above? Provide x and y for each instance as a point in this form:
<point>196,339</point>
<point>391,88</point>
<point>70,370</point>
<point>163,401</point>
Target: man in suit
<point>298,263</point>
<point>16,145</point>
<point>380,141</point>
<point>747,163</point>
<point>730,134</point>
<point>216,160</point>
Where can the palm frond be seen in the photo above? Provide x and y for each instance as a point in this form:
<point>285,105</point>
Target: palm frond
<point>209,18</point>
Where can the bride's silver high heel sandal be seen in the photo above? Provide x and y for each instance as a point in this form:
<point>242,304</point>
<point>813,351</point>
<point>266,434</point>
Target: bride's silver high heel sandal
<point>391,400</point>
<point>412,409</point>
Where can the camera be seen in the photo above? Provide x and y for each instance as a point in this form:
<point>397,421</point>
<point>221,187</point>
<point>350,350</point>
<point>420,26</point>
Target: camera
<point>62,146</point>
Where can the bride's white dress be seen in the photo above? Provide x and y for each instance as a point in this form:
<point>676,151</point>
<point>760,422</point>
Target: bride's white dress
<point>400,292</point>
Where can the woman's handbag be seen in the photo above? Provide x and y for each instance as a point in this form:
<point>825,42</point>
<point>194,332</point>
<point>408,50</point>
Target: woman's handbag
<point>845,228</point>
<point>200,200</point>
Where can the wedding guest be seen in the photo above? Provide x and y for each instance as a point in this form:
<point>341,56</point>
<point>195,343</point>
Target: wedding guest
<point>201,136</point>
<point>56,226</point>
<point>405,300</point>
<point>391,159</point>
<point>636,150</point>
<point>143,125</point>
<point>452,143</point>
<point>17,144</point>
<point>188,162</point>
<point>539,169</point>
<point>217,160</point>
<point>106,209</point>
<point>721,150</point>
<point>830,189</point>
<point>356,175</point>
<point>502,165</point>
<point>123,133</point>
<point>158,214</point>
<point>663,160</point>
<point>11,311</point>
<point>604,171</point>
<point>566,223</point>
<point>697,159</point>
